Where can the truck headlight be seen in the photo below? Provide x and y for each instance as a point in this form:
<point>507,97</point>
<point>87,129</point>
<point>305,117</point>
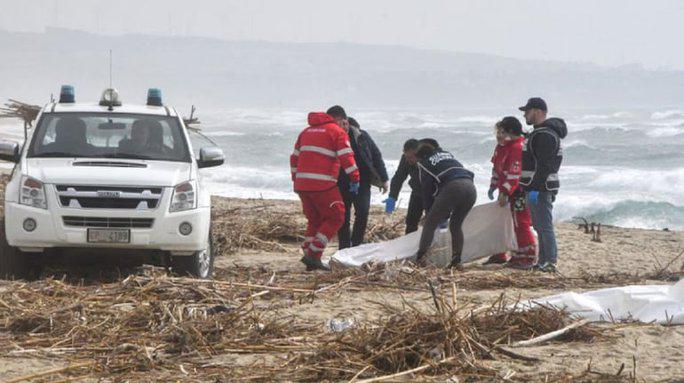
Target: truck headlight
<point>32,193</point>
<point>184,197</point>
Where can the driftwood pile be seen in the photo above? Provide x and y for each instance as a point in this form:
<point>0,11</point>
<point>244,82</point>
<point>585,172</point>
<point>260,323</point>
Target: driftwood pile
<point>450,339</point>
<point>151,325</point>
<point>21,110</point>
<point>266,226</point>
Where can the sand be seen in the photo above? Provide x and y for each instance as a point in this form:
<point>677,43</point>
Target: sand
<point>657,350</point>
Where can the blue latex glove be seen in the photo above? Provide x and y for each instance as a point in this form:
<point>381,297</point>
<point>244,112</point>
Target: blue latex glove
<point>444,224</point>
<point>533,196</point>
<point>490,193</point>
<point>390,205</point>
<point>354,187</point>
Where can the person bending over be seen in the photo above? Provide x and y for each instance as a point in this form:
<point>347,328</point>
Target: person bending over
<point>448,193</point>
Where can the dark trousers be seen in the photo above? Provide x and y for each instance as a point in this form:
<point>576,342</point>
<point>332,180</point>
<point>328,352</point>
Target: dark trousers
<point>454,201</point>
<point>415,212</point>
<point>361,204</point>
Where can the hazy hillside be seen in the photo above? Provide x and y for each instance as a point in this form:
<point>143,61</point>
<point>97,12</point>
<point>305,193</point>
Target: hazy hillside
<point>216,73</point>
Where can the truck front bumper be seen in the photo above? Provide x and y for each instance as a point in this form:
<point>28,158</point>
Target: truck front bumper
<point>51,231</point>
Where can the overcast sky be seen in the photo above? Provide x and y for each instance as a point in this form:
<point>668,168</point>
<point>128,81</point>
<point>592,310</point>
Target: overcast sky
<point>611,32</point>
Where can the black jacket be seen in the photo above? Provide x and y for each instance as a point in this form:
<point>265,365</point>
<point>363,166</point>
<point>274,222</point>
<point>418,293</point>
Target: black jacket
<point>542,156</point>
<point>368,159</point>
<point>438,170</point>
<point>404,171</point>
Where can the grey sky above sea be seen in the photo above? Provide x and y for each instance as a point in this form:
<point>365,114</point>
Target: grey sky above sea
<point>607,32</point>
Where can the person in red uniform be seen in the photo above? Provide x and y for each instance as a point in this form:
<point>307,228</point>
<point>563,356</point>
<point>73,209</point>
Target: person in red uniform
<point>319,152</point>
<point>506,174</point>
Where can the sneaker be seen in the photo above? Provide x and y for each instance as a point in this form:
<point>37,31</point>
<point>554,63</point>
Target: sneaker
<point>549,268</point>
<point>538,267</point>
<point>497,259</point>
<point>313,263</point>
<point>521,264</point>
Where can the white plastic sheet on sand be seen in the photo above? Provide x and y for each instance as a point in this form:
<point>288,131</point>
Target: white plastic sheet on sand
<point>488,229</point>
<point>651,303</point>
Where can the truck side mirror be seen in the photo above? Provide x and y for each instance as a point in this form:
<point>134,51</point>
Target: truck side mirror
<point>210,157</point>
<point>9,151</point>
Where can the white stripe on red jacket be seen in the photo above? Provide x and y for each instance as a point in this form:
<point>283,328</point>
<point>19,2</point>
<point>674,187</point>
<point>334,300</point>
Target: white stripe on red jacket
<point>319,152</point>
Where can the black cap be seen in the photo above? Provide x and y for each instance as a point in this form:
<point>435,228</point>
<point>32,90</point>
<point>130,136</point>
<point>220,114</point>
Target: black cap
<point>534,103</point>
<point>353,122</point>
<point>511,125</point>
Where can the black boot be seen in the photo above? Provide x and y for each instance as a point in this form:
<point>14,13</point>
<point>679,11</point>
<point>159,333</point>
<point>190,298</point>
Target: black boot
<point>421,258</point>
<point>456,263</point>
<point>313,263</point>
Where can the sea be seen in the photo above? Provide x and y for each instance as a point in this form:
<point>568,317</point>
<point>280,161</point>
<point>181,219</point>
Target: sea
<point>620,167</point>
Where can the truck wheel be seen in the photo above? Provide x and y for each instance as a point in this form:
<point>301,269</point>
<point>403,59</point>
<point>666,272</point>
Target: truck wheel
<point>199,265</point>
<point>14,264</point>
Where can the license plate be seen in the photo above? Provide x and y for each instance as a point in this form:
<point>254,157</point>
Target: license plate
<point>109,235</point>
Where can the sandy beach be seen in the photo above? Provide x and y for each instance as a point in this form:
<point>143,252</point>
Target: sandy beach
<point>633,256</point>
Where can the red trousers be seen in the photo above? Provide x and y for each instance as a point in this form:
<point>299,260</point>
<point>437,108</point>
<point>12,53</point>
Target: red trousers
<point>324,212</point>
<point>522,221</point>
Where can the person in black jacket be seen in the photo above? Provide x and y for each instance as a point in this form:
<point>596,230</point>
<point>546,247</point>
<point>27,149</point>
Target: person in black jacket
<point>408,168</point>
<point>373,173</point>
<point>448,193</point>
<point>541,160</point>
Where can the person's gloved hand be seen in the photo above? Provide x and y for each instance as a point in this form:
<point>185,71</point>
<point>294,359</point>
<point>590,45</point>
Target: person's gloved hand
<point>533,196</point>
<point>503,199</point>
<point>444,224</point>
<point>490,193</point>
<point>390,204</point>
<point>354,187</point>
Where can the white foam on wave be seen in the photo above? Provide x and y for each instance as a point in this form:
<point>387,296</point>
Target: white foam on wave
<point>668,114</point>
<point>584,126</point>
<point>665,131</point>
<point>224,133</point>
<point>620,114</point>
<point>235,181</point>
<point>284,119</point>
<point>577,144</point>
<point>660,183</point>
<point>478,120</point>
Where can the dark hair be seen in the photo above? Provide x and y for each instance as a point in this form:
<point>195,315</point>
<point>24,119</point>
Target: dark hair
<point>430,141</point>
<point>510,125</point>
<point>337,112</point>
<point>353,122</point>
<point>425,150</point>
<point>411,144</point>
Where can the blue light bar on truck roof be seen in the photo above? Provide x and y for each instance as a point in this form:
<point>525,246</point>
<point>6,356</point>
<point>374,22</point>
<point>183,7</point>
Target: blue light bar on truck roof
<point>67,95</point>
<point>154,97</point>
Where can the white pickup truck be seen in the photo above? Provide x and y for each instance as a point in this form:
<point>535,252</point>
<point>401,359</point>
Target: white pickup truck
<point>107,178</point>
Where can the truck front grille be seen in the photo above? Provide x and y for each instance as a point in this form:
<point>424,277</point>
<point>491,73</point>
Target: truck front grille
<point>119,223</point>
<point>109,197</point>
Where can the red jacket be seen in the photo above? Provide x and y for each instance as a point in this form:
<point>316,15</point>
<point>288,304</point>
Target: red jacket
<point>318,153</point>
<point>507,168</point>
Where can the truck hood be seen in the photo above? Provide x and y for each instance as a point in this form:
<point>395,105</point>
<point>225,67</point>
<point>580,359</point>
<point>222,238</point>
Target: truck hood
<point>115,172</point>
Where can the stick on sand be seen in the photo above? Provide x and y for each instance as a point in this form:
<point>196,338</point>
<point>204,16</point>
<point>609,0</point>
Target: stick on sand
<point>50,372</point>
<point>551,335</point>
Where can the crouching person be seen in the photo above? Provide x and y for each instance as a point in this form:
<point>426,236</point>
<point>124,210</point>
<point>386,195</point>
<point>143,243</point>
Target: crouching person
<point>506,171</point>
<point>448,193</point>
<point>315,164</point>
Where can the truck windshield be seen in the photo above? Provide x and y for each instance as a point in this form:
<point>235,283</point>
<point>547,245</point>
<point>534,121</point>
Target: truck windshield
<point>102,135</point>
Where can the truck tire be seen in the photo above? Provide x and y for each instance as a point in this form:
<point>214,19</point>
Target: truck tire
<point>14,264</point>
<point>199,265</point>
